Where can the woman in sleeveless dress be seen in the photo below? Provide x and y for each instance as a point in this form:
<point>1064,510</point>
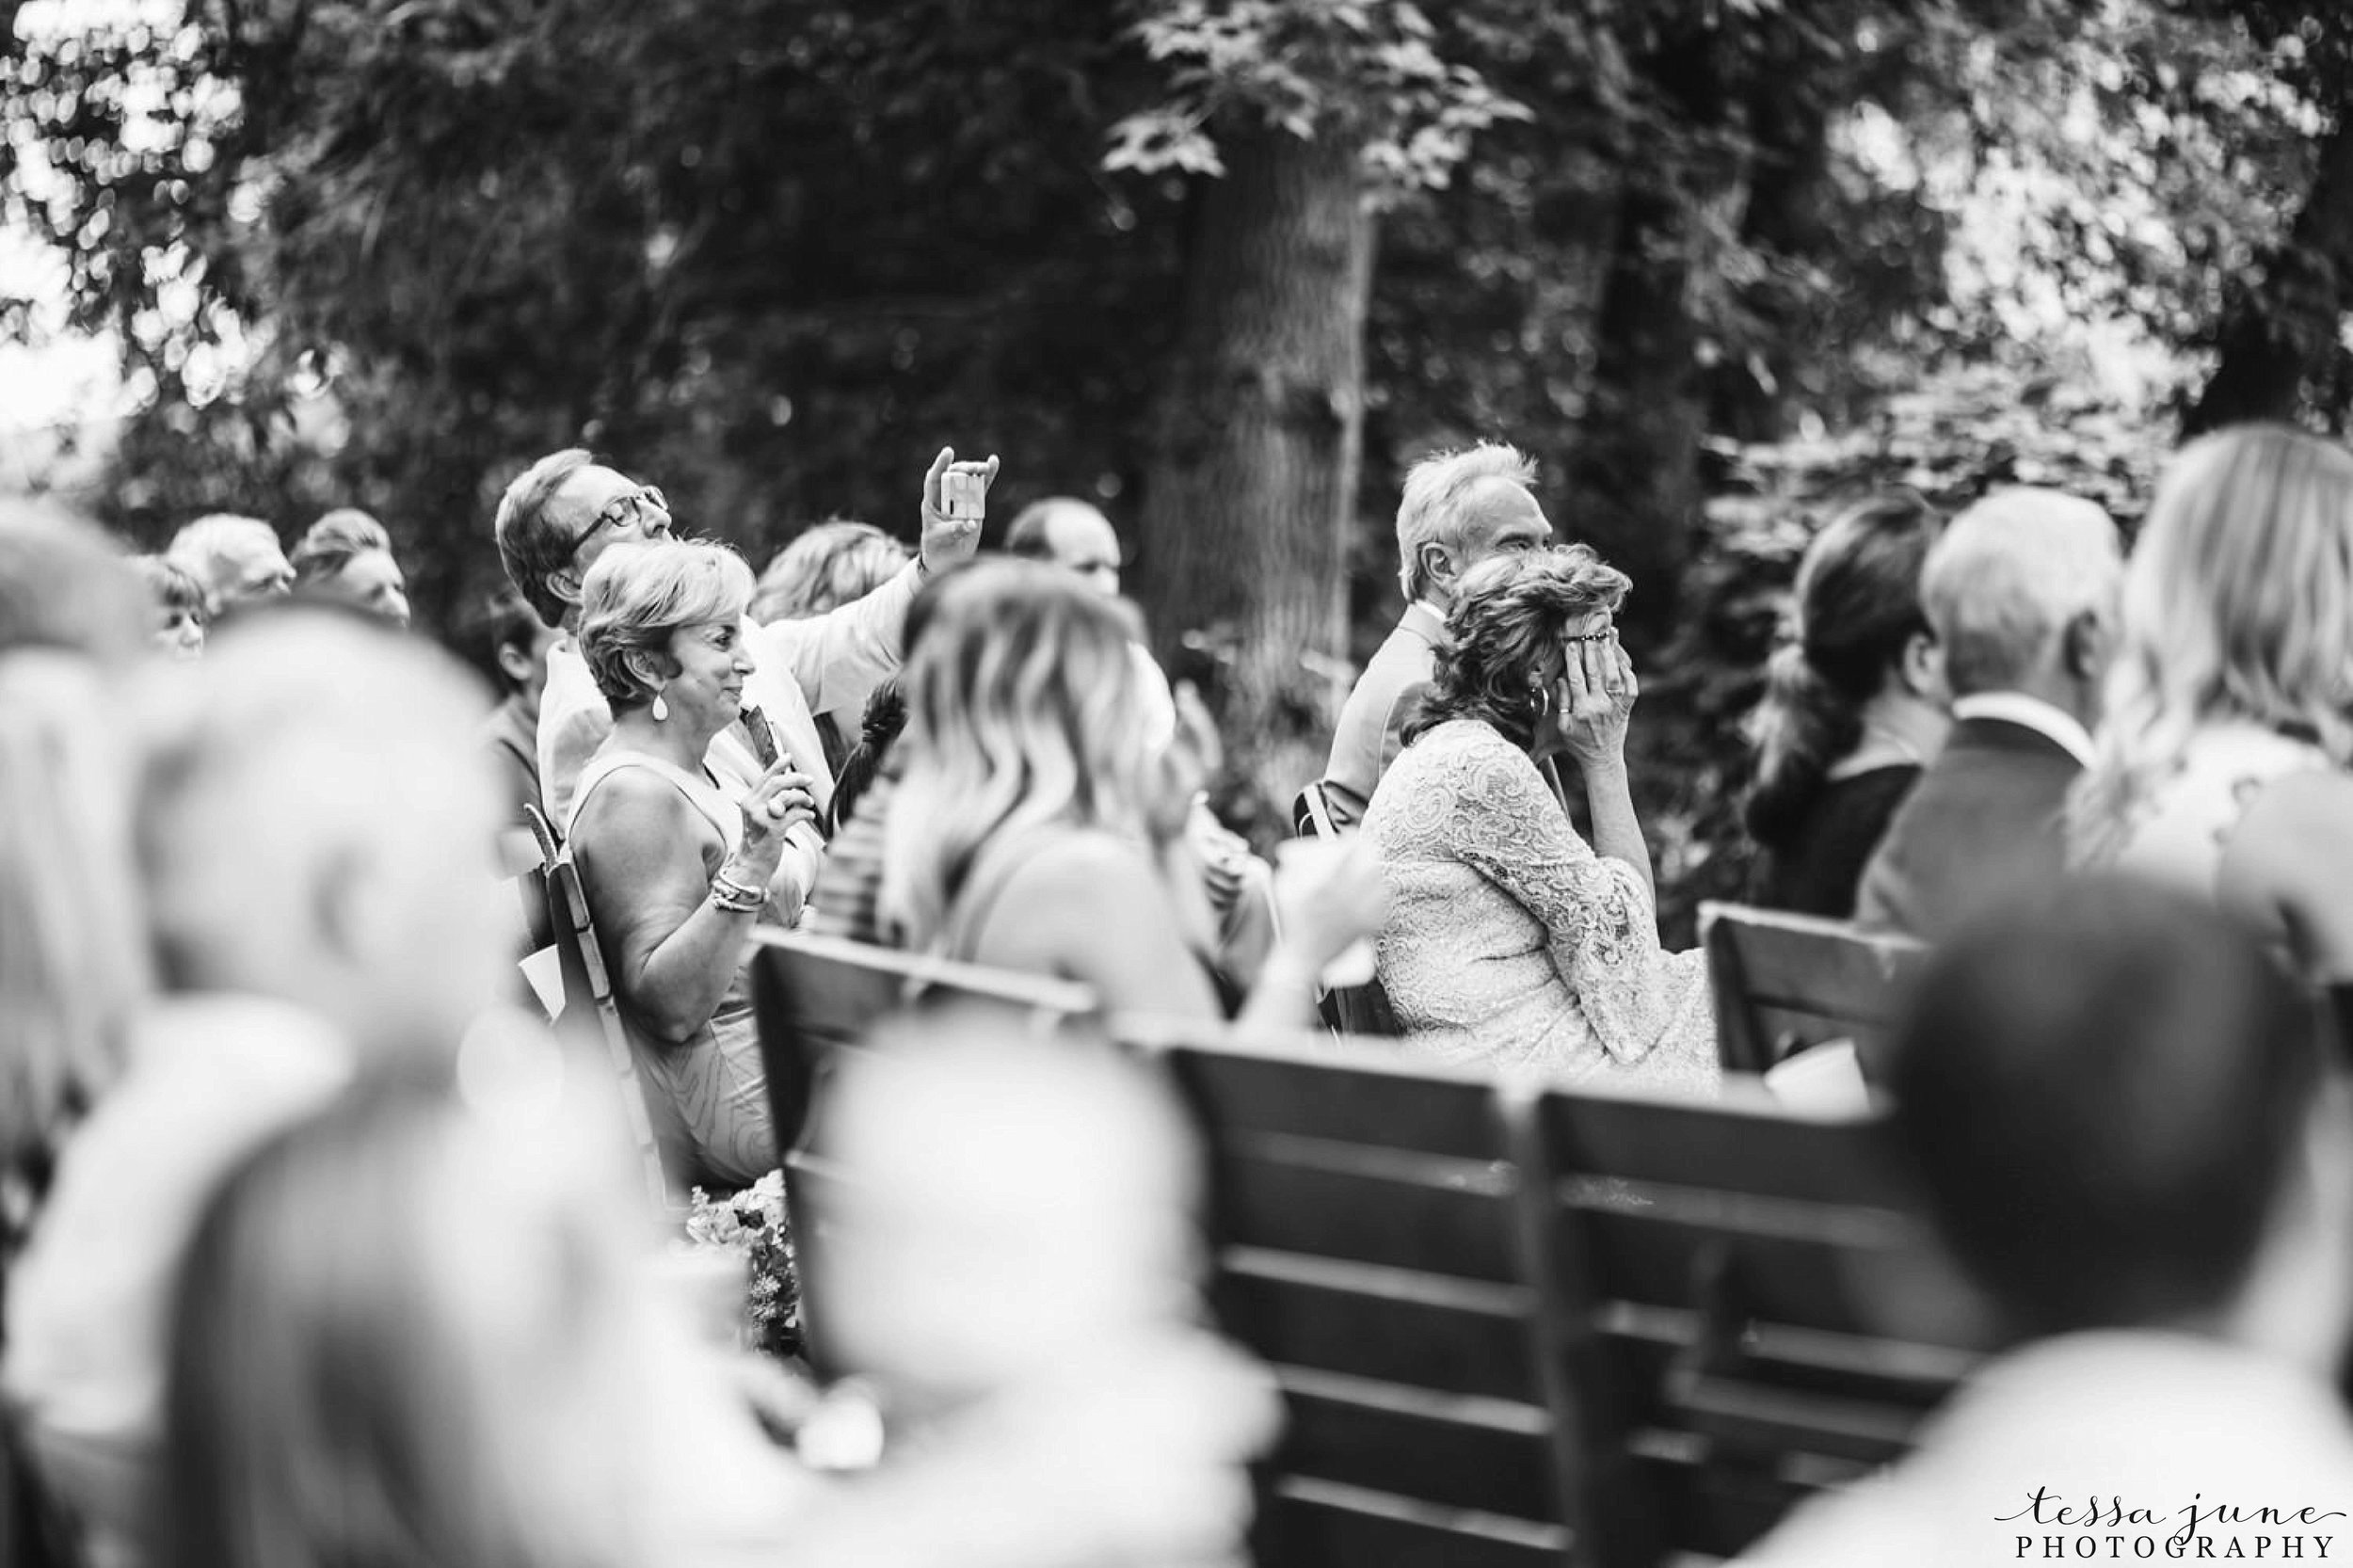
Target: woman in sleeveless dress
<point>676,874</point>
<point>1035,828</point>
<point>1512,942</point>
<point>2220,761</point>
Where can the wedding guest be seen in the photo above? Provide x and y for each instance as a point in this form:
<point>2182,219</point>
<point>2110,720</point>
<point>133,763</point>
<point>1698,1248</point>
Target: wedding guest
<point>179,615</point>
<point>1075,536</point>
<point>1854,709</point>
<point>2118,1108</point>
<point>827,566</point>
<point>2021,593</point>
<point>238,560</point>
<point>348,557</point>
<point>412,1333</point>
<point>519,645</point>
<point>1031,826</point>
<point>675,869</point>
<point>835,563</point>
<point>878,732</point>
<point>565,510</point>
<point>1460,509</point>
<point>312,823</point>
<point>1013,1241</point>
<point>1510,940</point>
<point>2221,764</point>
<point>72,964</point>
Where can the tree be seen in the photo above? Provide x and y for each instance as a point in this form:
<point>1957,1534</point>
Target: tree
<point>1296,120</point>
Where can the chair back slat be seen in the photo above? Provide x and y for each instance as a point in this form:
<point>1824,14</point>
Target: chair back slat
<point>1785,982</point>
<point>1750,1299</point>
<point>1366,1216</point>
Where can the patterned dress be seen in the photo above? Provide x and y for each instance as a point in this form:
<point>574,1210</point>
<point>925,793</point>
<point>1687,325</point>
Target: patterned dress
<point>1510,942</point>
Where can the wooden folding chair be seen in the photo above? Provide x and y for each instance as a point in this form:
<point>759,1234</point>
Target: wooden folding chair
<point>1361,1010</point>
<point>1785,983</point>
<point>1750,1305</point>
<point>585,978</point>
<point>1368,1249</point>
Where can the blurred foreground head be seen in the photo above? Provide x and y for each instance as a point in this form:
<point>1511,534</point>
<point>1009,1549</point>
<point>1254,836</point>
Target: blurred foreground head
<point>72,618</point>
<point>2118,1105</point>
<point>409,1334</point>
<point>1010,1204</point>
<point>314,822</point>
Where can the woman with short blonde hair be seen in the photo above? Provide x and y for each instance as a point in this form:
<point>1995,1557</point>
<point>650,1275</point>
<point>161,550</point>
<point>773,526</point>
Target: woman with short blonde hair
<point>2221,760</point>
<point>676,872</point>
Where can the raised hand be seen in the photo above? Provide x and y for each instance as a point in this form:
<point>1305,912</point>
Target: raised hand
<point>948,540</point>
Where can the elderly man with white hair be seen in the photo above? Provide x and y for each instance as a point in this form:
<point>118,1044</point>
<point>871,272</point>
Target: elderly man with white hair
<point>237,559</point>
<point>1459,509</point>
<point>2020,591</point>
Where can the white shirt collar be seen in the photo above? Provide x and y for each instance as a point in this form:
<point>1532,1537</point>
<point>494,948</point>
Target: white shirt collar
<point>2053,724</point>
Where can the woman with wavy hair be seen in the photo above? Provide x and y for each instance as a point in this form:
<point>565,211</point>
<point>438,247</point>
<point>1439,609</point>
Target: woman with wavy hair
<point>2221,763</point>
<point>1854,708</point>
<point>1511,941</point>
<point>1032,825</point>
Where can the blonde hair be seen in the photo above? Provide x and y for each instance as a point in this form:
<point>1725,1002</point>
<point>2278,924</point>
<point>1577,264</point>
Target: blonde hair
<point>2238,604</point>
<point>638,595</point>
<point>404,1335</point>
<point>1023,709</point>
<point>825,567</point>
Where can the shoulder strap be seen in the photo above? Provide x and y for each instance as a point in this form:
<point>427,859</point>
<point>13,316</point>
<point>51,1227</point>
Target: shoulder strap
<point>701,794</point>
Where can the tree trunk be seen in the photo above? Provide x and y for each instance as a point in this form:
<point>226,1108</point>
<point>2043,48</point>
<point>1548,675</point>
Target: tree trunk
<point>1634,474</point>
<point>2281,332</point>
<point>1250,490</point>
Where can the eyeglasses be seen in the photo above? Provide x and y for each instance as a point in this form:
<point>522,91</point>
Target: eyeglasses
<point>631,505</point>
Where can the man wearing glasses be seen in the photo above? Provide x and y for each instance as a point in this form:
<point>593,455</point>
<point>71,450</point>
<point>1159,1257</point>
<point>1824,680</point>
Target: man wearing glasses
<point>566,510</point>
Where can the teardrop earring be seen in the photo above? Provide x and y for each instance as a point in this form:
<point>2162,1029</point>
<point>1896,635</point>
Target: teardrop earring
<point>661,708</point>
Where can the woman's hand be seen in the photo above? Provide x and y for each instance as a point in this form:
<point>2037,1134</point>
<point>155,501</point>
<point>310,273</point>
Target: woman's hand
<point>781,797</point>
<point>1595,700</point>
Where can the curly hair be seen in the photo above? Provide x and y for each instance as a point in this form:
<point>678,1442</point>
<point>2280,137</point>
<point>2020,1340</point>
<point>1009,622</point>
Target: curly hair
<point>1511,615</point>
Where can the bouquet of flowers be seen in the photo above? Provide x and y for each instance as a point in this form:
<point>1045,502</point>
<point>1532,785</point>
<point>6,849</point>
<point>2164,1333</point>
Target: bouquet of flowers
<point>752,1223</point>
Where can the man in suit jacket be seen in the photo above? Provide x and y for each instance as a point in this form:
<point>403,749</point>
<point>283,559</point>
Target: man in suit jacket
<point>2021,593</point>
<point>1459,509</point>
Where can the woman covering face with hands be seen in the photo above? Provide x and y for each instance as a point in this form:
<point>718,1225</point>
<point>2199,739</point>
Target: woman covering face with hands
<point>1510,940</point>
<point>676,871</point>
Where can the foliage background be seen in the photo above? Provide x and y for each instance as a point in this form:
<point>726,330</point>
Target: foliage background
<point>1227,266</point>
